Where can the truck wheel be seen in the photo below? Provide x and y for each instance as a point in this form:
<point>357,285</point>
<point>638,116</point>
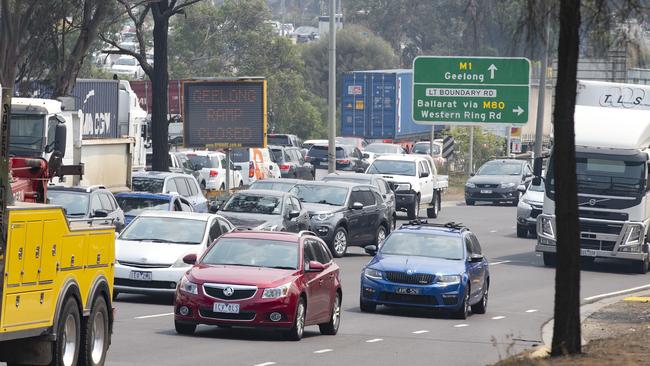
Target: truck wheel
<point>414,210</point>
<point>549,259</point>
<point>96,334</point>
<point>68,336</point>
<point>522,231</point>
<point>643,267</point>
<point>432,212</point>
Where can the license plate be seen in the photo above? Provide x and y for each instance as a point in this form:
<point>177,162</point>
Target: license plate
<point>140,276</point>
<point>587,252</point>
<point>486,191</point>
<point>220,307</point>
<point>408,291</point>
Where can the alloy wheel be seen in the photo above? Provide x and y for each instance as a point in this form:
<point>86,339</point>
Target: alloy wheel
<point>340,242</point>
<point>97,336</point>
<point>300,319</point>
<point>336,313</point>
<point>69,342</point>
<point>381,235</point>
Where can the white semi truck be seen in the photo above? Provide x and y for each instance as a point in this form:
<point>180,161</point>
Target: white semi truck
<point>612,137</point>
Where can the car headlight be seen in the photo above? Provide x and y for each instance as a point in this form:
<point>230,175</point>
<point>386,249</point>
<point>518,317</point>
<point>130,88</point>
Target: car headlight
<point>547,227</point>
<point>323,216</point>
<point>508,185</point>
<point>276,292</point>
<point>402,187</point>
<point>530,202</point>
<point>187,286</point>
<point>470,185</point>
<point>372,273</point>
<point>448,279</point>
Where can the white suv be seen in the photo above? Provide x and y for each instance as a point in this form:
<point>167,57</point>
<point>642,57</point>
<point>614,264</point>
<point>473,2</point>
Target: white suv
<point>211,166</point>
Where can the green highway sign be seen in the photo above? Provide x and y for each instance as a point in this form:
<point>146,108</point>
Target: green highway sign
<point>470,90</point>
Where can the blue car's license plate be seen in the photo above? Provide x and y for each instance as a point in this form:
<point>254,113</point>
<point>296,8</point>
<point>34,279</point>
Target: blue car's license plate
<point>408,291</point>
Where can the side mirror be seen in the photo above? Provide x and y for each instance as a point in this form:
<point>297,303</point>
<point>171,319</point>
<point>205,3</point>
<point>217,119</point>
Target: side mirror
<point>314,266</point>
<point>537,181</point>
<point>360,170</point>
<point>476,258</point>
<point>270,167</point>
<point>60,136</point>
<point>189,259</point>
<point>100,213</point>
<point>366,156</point>
<point>472,174</point>
<point>424,174</point>
<point>214,207</point>
<point>293,214</point>
<point>521,188</point>
<point>357,206</point>
<point>371,249</point>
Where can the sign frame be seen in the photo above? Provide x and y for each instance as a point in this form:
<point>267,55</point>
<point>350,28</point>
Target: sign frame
<point>188,142</point>
<point>478,86</point>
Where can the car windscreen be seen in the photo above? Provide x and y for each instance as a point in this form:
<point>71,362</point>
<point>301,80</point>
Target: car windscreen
<point>253,253</point>
<point>277,155</point>
<point>254,204</point>
<point>203,161</point>
<point>272,186</point>
<point>383,149</point>
<point>335,196</point>
<point>26,134</point>
<point>500,169</point>
<point>134,206</point>
<point>423,148</point>
<point>239,156</point>
<point>347,179</point>
<point>319,151</point>
<point>423,245</point>
<point>74,203</point>
<point>534,188</point>
<point>175,230</point>
<point>145,184</point>
<point>278,140</point>
<point>126,61</point>
<point>395,167</point>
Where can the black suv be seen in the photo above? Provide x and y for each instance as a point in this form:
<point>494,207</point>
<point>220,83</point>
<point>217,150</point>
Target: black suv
<point>92,202</point>
<point>497,181</point>
<point>347,157</point>
<point>345,214</point>
<point>291,162</point>
<point>283,139</point>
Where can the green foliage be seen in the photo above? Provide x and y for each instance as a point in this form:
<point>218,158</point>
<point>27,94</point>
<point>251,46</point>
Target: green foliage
<point>235,40</point>
<point>487,146</point>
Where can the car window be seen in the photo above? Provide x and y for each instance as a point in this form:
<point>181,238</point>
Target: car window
<point>171,186</point>
<point>185,206</point>
<point>310,253</point>
<point>181,186</point>
<point>215,231</point>
<point>356,196</point>
<point>476,247</point>
<point>357,153</point>
<point>225,227</point>
<point>382,186</point>
<point>325,251</point>
<point>378,197</point>
<point>528,170</point>
<point>468,245</point>
<point>319,251</point>
<point>145,184</point>
<point>95,203</point>
<point>296,204</point>
<point>299,156</point>
<point>193,185</point>
<point>223,163</point>
<point>106,202</point>
<point>367,198</point>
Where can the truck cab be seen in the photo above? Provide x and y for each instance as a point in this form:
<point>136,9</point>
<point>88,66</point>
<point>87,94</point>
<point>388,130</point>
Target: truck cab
<point>34,124</point>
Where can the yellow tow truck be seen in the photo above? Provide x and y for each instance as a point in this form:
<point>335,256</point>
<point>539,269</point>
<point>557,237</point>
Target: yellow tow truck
<point>56,274</point>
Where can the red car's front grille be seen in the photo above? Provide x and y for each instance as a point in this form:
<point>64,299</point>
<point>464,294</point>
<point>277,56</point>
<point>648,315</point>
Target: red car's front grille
<point>236,295</point>
<point>244,315</point>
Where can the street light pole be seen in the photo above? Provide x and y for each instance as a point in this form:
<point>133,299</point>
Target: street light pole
<point>541,95</point>
<point>331,115</point>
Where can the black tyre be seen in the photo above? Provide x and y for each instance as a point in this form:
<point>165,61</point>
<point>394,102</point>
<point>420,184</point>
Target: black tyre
<point>470,202</point>
<point>298,328</point>
<point>522,231</point>
<point>184,328</point>
<point>367,307</point>
<point>463,311</point>
<point>115,294</point>
<point>549,259</point>
<point>414,211</point>
<point>203,185</point>
<point>68,336</point>
<point>481,306</point>
<point>339,245</point>
<point>332,326</point>
<point>381,234</point>
<point>643,266</point>
<point>433,212</point>
<point>515,202</point>
<point>96,334</point>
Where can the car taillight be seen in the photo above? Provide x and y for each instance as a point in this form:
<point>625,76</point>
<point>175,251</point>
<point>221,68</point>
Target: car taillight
<point>213,173</point>
<point>251,169</point>
<point>343,161</point>
<point>284,167</point>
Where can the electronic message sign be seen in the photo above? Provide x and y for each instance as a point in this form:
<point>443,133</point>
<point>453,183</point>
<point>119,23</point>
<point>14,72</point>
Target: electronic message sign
<point>224,113</point>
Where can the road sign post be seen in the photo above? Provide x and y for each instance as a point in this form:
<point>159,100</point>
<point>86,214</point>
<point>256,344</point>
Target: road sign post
<point>470,90</point>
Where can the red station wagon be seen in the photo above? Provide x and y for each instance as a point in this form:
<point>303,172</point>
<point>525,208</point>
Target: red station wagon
<point>278,280</point>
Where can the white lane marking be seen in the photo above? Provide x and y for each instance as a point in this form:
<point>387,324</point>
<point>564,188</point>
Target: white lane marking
<point>420,331</point>
<point>323,350</point>
<point>532,310</point>
<point>265,364</point>
<point>496,263</point>
<point>461,325</point>
<point>493,231</point>
<point>498,317</point>
<point>374,340</point>
<point>153,316</point>
<point>616,293</point>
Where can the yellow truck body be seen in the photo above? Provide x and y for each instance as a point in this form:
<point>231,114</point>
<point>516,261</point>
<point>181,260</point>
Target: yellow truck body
<point>48,261</point>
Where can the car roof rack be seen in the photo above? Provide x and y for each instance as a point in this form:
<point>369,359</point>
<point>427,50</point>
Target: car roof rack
<point>449,225</point>
<point>306,232</point>
<point>242,228</point>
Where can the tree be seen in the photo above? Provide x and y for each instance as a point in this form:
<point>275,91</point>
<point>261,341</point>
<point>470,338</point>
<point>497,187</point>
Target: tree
<point>161,11</point>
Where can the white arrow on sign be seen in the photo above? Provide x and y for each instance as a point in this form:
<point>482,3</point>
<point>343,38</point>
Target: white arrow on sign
<point>492,69</point>
<point>518,110</point>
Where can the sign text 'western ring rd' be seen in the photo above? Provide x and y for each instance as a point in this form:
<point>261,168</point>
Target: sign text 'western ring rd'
<point>468,90</point>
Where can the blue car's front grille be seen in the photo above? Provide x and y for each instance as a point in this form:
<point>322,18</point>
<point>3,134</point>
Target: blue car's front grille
<point>408,299</point>
<point>411,279</point>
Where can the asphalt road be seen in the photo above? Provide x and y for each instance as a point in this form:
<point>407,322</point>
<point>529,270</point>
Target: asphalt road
<point>521,301</point>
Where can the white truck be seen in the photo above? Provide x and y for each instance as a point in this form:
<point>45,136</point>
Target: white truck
<point>415,180</point>
<point>612,137</point>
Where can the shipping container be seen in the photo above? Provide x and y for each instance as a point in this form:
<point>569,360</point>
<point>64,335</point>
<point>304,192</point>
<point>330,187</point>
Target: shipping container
<point>142,89</point>
<point>377,105</point>
<point>98,101</point>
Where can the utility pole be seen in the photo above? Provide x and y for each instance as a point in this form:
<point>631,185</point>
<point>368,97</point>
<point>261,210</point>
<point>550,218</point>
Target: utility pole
<point>541,95</point>
<point>331,115</point>
<point>5,185</point>
<point>508,139</point>
<point>471,149</point>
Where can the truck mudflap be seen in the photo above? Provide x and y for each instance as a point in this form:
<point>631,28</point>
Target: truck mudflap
<point>598,238</point>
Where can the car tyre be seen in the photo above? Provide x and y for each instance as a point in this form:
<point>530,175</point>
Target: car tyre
<point>68,335</point>
<point>115,294</point>
<point>414,210</point>
<point>96,334</point>
<point>184,328</point>
<point>367,307</point>
<point>339,244</point>
<point>549,259</point>
<point>382,232</point>
<point>332,327</point>
<point>470,202</point>
<point>298,328</point>
<point>433,212</point>
<point>481,306</point>
<point>643,267</point>
<point>515,202</point>
<point>463,311</point>
<point>522,231</point>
